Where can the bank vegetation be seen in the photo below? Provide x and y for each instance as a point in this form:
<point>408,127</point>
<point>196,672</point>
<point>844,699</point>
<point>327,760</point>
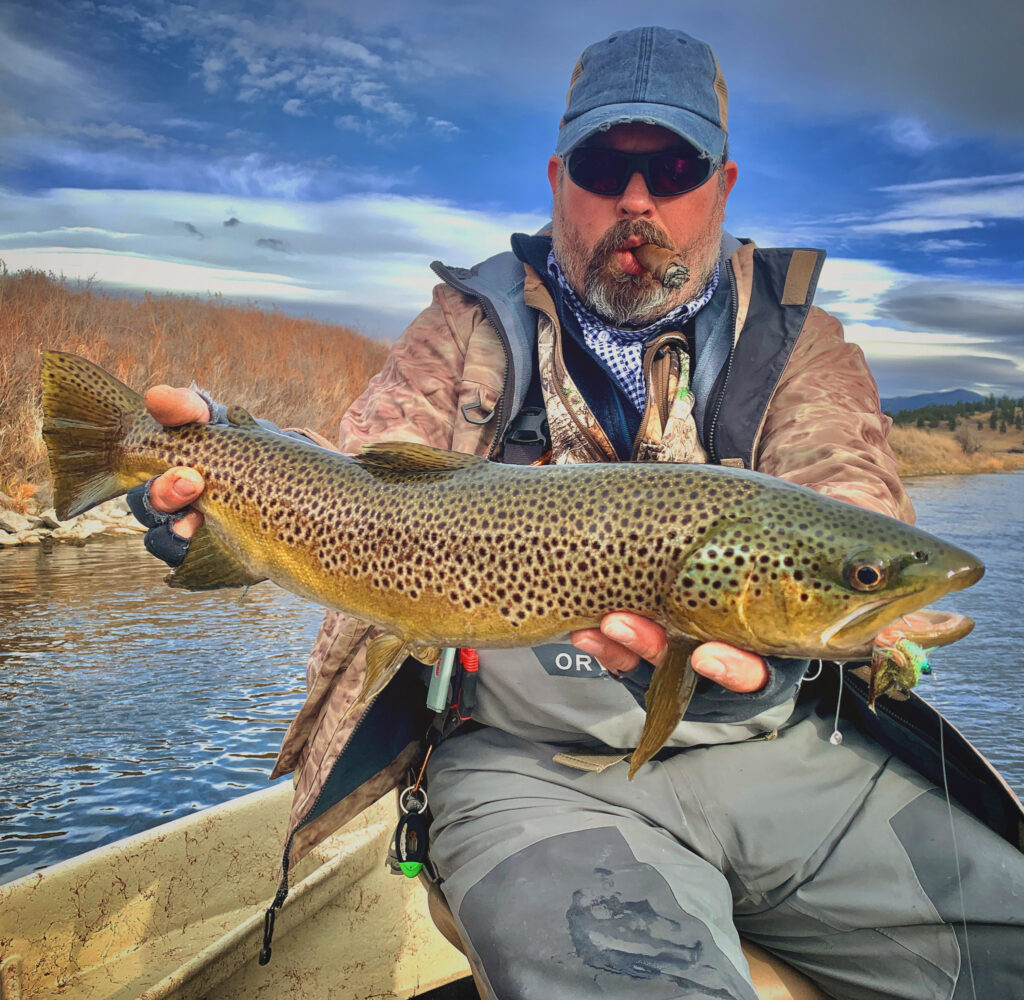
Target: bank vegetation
<point>297,372</point>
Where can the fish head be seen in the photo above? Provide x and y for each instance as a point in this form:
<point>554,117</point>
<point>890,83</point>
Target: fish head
<point>812,577</point>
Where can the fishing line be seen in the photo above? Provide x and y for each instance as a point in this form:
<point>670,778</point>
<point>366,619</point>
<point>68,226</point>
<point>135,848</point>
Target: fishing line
<point>837,737</point>
<point>956,855</point>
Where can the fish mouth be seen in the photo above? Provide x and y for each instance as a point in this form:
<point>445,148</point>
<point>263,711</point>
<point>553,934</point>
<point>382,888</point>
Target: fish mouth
<point>832,638</point>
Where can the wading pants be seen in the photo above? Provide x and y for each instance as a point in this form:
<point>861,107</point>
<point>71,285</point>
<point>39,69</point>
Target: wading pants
<point>839,859</point>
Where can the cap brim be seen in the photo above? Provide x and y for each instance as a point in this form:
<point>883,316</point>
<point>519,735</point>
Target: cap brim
<point>706,136</point>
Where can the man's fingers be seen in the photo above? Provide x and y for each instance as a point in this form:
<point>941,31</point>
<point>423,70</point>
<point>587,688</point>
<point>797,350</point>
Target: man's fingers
<point>732,668</point>
<point>175,489</point>
<point>622,641</point>
<point>173,407</point>
<point>188,525</point>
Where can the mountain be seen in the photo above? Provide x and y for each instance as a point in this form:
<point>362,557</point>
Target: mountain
<point>897,403</point>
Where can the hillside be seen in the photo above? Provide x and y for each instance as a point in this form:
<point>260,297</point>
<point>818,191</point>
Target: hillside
<point>296,372</point>
<point>897,404</point>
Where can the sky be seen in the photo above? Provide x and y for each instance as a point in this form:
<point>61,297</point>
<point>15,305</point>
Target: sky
<point>316,156</point>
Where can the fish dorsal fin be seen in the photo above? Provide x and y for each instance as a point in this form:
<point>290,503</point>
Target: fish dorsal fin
<point>239,416</point>
<point>402,456</point>
<point>210,565</point>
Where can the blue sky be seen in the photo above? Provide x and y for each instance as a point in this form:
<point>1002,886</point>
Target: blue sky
<point>318,155</point>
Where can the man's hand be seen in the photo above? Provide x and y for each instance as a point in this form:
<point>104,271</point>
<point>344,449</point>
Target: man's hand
<point>624,639</point>
<point>177,487</point>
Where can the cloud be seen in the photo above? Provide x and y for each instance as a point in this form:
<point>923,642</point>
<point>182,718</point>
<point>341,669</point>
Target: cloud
<point>928,333</point>
<point>943,246</point>
<point>992,311</point>
<point>948,204</point>
<point>365,256</point>
<point>293,106</point>
<point>912,134</point>
<point>443,128</point>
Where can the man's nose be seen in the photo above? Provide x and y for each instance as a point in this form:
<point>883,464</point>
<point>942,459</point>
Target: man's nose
<point>636,201</point>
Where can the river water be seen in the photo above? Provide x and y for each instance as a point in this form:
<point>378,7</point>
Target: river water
<point>125,704</point>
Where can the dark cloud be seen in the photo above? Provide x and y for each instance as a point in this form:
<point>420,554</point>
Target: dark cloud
<point>958,307</point>
<point>966,371</point>
<point>189,228</point>
<point>232,222</point>
<point>937,59</point>
<point>271,244</point>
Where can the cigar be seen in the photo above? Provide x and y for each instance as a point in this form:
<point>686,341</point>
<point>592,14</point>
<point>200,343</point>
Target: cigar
<point>665,265</point>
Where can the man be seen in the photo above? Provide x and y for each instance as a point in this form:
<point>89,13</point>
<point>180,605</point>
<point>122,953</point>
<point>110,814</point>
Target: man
<point>565,879</point>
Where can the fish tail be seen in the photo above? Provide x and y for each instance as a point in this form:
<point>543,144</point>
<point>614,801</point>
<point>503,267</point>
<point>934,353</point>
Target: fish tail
<point>85,414</point>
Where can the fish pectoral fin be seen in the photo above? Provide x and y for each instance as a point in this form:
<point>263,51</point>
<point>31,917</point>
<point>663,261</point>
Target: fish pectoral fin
<point>668,695</point>
<point>402,456</point>
<point>384,655</point>
<point>210,565</point>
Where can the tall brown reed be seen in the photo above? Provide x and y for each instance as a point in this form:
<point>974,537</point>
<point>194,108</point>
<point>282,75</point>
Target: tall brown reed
<point>297,372</point>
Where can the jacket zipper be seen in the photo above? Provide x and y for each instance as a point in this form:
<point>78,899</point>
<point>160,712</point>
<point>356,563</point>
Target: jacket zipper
<point>283,888</point>
<point>733,312</point>
<point>491,315</point>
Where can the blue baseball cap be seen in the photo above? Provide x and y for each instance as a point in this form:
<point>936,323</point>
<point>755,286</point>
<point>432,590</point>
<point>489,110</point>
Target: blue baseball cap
<point>654,75</point>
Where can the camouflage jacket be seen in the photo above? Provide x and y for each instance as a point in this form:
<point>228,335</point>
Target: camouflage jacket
<point>778,390</point>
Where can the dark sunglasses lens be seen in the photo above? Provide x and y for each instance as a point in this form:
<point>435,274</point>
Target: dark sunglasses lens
<point>675,171</point>
<point>599,170</point>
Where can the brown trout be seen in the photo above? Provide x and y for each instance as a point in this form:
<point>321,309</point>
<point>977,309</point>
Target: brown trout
<point>447,549</point>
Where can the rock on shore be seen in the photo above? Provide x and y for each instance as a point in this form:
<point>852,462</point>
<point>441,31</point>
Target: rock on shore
<point>34,527</point>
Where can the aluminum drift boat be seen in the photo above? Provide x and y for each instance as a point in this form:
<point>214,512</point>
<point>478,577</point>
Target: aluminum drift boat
<point>176,913</point>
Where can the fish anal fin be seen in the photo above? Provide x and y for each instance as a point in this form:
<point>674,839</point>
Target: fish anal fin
<point>210,565</point>
<point>668,696</point>
<point>402,456</point>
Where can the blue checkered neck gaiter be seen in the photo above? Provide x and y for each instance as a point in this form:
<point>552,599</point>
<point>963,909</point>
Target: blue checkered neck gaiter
<point>622,350</point>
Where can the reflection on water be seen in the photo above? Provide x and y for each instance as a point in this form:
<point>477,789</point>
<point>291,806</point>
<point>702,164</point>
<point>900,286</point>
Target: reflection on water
<point>126,704</point>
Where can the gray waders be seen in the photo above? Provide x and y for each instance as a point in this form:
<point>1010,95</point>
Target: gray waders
<point>839,859</point>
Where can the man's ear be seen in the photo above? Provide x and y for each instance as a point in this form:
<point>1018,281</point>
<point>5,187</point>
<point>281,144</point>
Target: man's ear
<point>554,171</point>
<point>729,173</point>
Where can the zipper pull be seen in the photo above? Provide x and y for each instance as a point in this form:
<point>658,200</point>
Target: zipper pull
<point>268,923</point>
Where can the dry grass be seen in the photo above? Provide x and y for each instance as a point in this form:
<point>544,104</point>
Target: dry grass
<point>296,372</point>
<point>937,452</point>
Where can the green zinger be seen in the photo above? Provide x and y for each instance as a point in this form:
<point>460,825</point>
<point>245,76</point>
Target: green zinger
<point>444,549</point>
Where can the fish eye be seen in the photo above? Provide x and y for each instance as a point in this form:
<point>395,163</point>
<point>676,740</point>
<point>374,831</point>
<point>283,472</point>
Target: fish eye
<point>864,574</point>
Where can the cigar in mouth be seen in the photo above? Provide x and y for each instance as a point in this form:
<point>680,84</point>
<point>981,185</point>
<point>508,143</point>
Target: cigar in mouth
<point>664,265</point>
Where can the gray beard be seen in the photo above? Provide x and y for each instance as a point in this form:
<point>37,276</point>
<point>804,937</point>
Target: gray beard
<point>628,300</point>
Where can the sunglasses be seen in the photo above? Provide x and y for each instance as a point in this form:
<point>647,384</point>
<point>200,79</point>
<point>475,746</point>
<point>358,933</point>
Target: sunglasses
<point>667,172</point>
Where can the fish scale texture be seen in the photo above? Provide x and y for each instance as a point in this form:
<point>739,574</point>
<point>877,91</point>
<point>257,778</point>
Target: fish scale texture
<point>447,549</point>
